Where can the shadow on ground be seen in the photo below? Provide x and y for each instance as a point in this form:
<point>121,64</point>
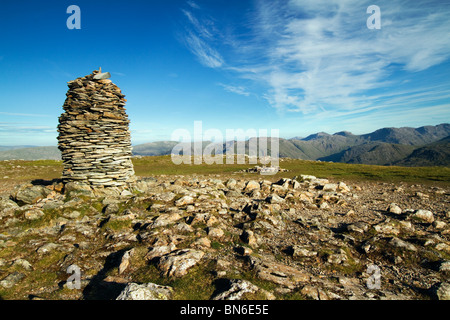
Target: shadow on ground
<point>43,182</point>
<point>98,288</point>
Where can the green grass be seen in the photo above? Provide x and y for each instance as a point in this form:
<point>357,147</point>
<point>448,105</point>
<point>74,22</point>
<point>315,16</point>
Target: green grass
<point>147,166</point>
<point>197,284</point>
<point>117,225</point>
<point>163,165</point>
<point>367,172</point>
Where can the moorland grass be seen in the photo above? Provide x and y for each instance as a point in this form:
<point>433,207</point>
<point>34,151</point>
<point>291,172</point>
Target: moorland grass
<point>163,165</point>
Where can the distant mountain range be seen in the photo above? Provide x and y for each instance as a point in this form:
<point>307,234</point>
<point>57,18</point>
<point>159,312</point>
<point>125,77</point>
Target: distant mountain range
<point>29,153</point>
<point>423,146</point>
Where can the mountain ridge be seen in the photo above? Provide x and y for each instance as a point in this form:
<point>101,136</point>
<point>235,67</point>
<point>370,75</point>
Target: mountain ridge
<point>404,146</point>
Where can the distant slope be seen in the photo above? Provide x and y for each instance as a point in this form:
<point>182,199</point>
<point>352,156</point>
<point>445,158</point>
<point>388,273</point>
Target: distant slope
<point>4,148</point>
<point>409,136</point>
<point>322,144</point>
<point>161,148</point>
<point>433,154</point>
<point>377,153</point>
<point>34,153</point>
<point>158,148</point>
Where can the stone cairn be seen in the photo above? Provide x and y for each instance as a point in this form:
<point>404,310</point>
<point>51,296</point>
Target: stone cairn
<point>94,137</point>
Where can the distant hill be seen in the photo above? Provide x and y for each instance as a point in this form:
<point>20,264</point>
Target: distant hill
<point>423,146</point>
<point>385,146</point>
<point>158,148</point>
<point>33,153</point>
<point>433,154</point>
<point>323,145</point>
<point>409,136</point>
<point>4,148</point>
<point>378,153</point>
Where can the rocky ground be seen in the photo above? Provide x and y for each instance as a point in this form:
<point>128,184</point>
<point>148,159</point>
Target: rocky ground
<point>215,237</point>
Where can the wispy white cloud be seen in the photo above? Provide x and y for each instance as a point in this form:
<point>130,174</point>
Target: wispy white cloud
<point>318,55</point>
<point>11,127</point>
<point>207,55</point>
<point>26,114</point>
<point>332,58</point>
<point>199,37</point>
<point>235,89</point>
<point>193,5</point>
<point>120,74</point>
<point>25,134</point>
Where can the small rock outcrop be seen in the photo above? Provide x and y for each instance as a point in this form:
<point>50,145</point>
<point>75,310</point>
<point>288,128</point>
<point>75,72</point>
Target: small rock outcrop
<point>147,291</point>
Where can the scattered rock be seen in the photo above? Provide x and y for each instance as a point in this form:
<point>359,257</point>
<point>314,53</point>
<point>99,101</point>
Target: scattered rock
<point>337,258</point>
<point>439,224</point>
<point>280,274</point>
<point>330,187</point>
<point>183,201</point>
<point>183,227</point>
<point>236,290</point>
<point>33,214</point>
<point>387,227</point>
<point>252,185</point>
<point>158,251</point>
<point>314,293</point>
<point>300,251</point>
<point>342,187</point>
<point>112,208</point>
<point>11,279</point>
<point>398,243</point>
<point>27,194</point>
<point>46,248</point>
<point>166,219</point>
<point>443,291</point>
<point>445,266</point>
<point>215,233</point>
<point>7,204</point>
<point>324,206</point>
<point>249,237</point>
<point>202,243</point>
<point>425,216</point>
<point>443,247</point>
<point>394,208</point>
<point>23,264</point>
<point>125,262</point>
<point>231,183</point>
<point>244,251</point>
<point>166,196</point>
<point>178,262</point>
<point>359,227</point>
<point>274,198</point>
<point>77,188</point>
<point>72,214</point>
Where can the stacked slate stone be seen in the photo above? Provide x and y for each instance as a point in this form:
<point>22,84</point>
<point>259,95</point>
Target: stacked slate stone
<point>94,137</point>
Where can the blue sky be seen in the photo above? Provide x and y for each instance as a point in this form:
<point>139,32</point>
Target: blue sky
<point>300,66</point>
